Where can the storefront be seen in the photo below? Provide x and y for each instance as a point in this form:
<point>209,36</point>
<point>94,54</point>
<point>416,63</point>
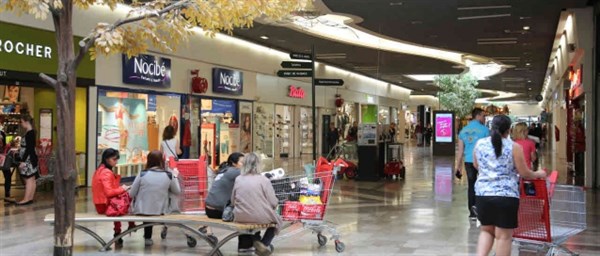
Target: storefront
<point>133,112</point>
<point>25,53</point>
<point>283,117</point>
<point>132,118</point>
<point>567,96</point>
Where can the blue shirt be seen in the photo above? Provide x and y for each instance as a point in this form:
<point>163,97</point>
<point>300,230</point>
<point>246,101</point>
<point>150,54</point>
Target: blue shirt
<point>497,175</point>
<point>470,134</point>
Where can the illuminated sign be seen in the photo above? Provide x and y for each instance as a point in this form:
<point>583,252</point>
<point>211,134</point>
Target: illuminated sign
<point>443,127</point>
<point>296,92</point>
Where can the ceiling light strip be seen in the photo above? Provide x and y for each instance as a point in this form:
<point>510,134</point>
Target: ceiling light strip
<point>484,16</point>
<point>484,7</point>
<point>498,39</point>
<point>499,42</point>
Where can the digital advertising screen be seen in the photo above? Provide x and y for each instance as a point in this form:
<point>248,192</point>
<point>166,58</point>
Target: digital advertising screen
<point>443,127</point>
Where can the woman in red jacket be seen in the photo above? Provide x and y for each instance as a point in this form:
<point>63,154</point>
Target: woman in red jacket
<point>106,184</point>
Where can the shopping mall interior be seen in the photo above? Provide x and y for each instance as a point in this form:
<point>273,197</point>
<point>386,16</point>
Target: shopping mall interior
<point>355,106</point>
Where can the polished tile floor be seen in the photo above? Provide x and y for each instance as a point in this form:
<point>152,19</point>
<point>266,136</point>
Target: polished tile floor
<point>424,215</point>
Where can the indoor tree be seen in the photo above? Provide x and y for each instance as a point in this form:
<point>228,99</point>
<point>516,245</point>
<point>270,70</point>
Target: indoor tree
<point>161,24</point>
<point>457,93</point>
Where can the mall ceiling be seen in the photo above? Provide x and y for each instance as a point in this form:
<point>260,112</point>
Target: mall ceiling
<point>491,28</point>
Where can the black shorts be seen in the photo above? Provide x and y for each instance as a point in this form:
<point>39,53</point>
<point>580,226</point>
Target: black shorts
<point>498,211</point>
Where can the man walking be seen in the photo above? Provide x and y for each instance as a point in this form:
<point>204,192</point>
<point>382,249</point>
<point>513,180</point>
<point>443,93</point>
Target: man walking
<point>467,138</point>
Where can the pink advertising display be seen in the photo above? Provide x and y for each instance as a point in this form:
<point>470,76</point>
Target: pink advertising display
<point>443,127</point>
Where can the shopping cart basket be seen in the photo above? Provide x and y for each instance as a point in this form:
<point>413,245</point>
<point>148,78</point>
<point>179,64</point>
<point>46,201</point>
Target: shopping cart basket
<point>193,183</point>
<point>549,216</point>
<point>304,200</point>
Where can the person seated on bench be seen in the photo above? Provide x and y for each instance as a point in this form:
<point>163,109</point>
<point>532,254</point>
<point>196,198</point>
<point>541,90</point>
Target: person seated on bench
<point>254,201</point>
<point>151,189</point>
<point>106,184</point>
<point>220,191</point>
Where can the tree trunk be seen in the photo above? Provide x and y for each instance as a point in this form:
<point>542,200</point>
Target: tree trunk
<point>66,176</point>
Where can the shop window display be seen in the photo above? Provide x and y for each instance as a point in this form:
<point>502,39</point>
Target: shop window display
<point>284,130</point>
<point>345,116</point>
<point>133,123</point>
<point>306,131</point>
<point>263,132</point>
<point>219,129</point>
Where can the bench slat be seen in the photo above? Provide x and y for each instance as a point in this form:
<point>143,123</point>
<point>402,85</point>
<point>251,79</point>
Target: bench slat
<point>171,218</point>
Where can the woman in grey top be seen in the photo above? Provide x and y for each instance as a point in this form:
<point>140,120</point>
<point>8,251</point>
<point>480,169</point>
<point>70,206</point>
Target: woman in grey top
<point>254,201</point>
<point>151,189</point>
<point>220,191</point>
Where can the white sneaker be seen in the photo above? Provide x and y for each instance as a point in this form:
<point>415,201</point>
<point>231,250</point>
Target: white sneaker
<point>148,242</point>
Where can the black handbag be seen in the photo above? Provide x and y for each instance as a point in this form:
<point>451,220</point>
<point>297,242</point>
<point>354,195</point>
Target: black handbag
<point>228,213</point>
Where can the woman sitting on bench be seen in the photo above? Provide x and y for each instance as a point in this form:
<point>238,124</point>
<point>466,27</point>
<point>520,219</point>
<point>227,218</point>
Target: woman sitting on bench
<point>151,189</point>
<point>107,184</point>
<point>254,201</point>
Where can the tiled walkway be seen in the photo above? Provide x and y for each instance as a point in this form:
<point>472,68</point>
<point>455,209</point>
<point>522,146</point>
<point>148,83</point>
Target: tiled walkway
<point>424,215</point>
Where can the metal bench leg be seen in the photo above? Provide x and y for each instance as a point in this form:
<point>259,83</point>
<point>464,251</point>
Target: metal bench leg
<point>91,233</point>
<point>128,231</point>
<point>222,242</point>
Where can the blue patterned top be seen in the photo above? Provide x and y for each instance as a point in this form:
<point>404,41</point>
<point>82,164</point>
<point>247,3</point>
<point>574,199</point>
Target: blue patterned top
<point>470,134</point>
<point>497,176</point>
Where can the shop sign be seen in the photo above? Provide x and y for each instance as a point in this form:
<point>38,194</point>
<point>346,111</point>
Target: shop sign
<point>296,92</point>
<point>227,81</point>
<point>147,70</point>
<point>576,81</point>
<point>29,50</point>
<point>443,127</point>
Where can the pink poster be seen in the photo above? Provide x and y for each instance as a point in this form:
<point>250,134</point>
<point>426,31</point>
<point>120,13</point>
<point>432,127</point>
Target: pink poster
<point>443,127</point>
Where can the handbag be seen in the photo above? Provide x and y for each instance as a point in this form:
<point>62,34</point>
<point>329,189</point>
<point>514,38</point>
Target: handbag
<point>228,212</point>
<point>27,169</point>
<point>6,160</point>
<point>118,205</point>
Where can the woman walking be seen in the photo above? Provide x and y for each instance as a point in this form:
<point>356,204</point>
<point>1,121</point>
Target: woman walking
<point>28,168</point>
<point>498,160</point>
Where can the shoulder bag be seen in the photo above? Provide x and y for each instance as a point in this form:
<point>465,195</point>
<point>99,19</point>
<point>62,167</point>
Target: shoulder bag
<point>6,160</point>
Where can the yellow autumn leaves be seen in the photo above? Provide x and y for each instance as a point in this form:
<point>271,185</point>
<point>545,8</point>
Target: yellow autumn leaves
<point>163,24</point>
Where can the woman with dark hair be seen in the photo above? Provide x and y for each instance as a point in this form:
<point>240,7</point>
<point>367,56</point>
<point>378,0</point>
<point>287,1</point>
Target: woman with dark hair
<point>151,190</point>
<point>220,191</point>
<point>170,145</point>
<point>498,160</point>
<point>28,168</point>
<point>107,184</point>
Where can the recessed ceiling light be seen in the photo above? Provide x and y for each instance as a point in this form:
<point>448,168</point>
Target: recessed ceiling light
<point>529,81</point>
<point>422,89</point>
<point>526,28</point>
<point>396,4</point>
<point>264,37</point>
<point>529,88</point>
<point>527,64</point>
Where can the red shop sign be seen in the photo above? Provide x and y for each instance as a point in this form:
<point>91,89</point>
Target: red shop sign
<point>296,92</point>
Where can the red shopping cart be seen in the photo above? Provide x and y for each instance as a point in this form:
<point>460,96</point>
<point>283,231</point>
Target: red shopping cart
<point>194,189</point>
<point>549,214</point>
<point>304,199</point>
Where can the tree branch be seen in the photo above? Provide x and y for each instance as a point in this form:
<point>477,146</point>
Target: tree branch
<point>49,80</point>
<point>89,41</point>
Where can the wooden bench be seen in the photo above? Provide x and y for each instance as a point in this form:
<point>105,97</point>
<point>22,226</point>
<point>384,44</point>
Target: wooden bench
<point>183,221</point>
